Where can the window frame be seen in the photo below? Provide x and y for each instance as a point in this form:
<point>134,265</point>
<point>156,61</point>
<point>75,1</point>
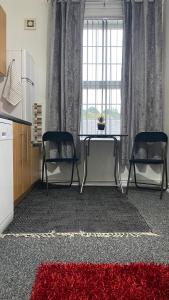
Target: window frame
<point>101,84</point>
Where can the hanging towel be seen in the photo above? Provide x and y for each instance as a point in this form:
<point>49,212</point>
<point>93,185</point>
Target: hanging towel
<point>12,91</point>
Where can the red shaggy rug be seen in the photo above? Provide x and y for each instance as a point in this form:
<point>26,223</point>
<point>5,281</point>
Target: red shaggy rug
<point>83,281</point>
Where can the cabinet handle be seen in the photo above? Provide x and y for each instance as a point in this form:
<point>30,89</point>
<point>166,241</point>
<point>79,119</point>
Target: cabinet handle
<point>22,148</point>
<point>27,145</point>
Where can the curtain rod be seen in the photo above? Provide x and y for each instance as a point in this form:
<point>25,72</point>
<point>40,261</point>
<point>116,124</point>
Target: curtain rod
<point>104,1</point>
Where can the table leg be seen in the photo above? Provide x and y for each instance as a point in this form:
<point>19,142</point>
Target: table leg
<point>116,160</point>
<point>117,175</point>
<point>118,168</point>
<point>86,153</point>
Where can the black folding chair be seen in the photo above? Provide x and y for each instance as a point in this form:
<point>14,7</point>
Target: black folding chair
<point>150,141</point>
<point>61,140</point>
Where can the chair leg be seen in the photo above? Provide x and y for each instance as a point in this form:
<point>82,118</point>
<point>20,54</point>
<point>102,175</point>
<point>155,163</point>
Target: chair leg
<point>128,181</point>
<point>135,178</point>
<point>162,182</point>
<point>43,164</point>
<point>78,173</point>
<point>71,180</point>
<point>166,174</point>
<point>46,178</point>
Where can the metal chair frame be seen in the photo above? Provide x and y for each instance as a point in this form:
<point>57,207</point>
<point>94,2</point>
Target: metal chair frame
<point>59,137</point>
<point>150,137</point>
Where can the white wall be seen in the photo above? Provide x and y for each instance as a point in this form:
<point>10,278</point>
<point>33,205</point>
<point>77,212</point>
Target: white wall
<point>101,160</point>
<point>34,41</point>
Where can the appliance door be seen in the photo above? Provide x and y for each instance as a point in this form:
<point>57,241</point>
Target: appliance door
<point>6,174</point>
<point>28,99</point>
<point>28,66</point>
<point>28,79</point>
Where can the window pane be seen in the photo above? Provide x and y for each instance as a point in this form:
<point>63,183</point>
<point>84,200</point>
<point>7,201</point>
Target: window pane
<point>119,37</point>
<point>98,96</point>
<point>115,96</point>
<point>113,37</point>
<point>84,109</point>
<point>84,37</point>
<point>91,55</point>
<point>119,55</point>
<point>104,100</point>
<point>118,73</point>
<point>100,109</point>
<point>109,72</point>
<point>118,95</point>
<point>91,72</point>
<point>84,72</point>
<point>94,40</point>
<point>113,72</point>
<point>92,114</point>
<point>109,37</point>
<point>91,97</point>
<point>84,55</point>
<point>99,37</point>
<point>102,62</point>
<point>84,96</point>
<point>99,53</point>
<point>99,72</point>
<point>90,39</point>
<point>112,55</point>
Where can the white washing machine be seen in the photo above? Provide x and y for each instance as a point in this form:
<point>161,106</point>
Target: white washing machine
<point>6,173</point>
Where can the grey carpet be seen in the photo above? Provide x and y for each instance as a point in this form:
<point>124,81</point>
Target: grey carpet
<point>98,209</point>
<point>20,257</point>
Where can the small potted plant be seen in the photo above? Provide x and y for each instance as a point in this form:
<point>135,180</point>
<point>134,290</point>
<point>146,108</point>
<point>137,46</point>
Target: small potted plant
<point>101,123</point>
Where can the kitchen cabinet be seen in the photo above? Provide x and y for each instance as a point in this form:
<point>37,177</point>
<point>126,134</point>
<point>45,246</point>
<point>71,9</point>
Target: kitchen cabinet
<point>26,159</point>
<point>35,164</point>
<point>2,42</point>
<point>17,160</point>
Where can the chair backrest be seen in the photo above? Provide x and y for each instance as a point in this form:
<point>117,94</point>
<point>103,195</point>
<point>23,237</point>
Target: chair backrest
<point>60,143</point>
<point>57,136</point>
<point>150,144</point>
<point>151,137</point>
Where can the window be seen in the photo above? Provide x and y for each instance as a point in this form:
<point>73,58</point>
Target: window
<point>102,62</point>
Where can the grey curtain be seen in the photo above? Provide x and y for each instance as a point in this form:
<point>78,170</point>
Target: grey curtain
<point>142,98</point>
<point>65,30</point>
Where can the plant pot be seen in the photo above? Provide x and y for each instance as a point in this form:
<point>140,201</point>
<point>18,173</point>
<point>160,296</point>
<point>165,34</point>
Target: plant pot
<point>100,126</point>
